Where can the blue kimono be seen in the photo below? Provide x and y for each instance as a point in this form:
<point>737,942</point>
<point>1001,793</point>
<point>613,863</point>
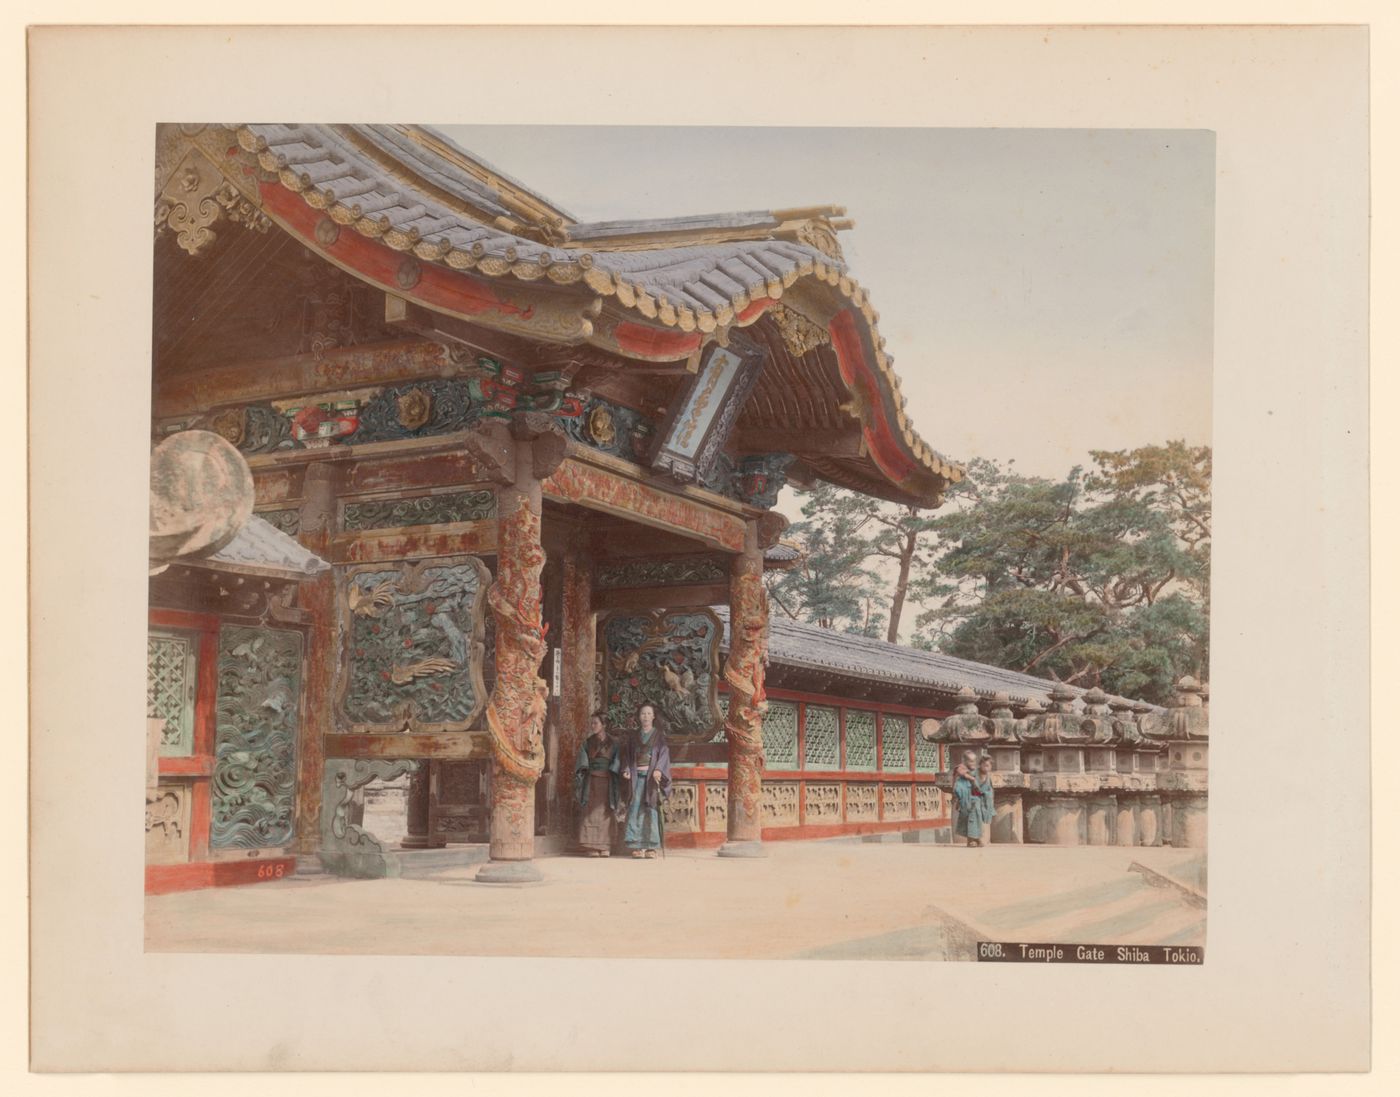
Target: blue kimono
<point>976,806</point>
<point>968,821</point>
<point>641,757</point>
<point>984,802</point>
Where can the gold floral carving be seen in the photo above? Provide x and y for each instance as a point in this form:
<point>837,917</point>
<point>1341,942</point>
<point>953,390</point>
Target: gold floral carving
<point>800,334</point>
<point>195,197</point>
<point>230,425</point>
<point>820,235</point>
<point>415,407</point>
<point>601,428</point>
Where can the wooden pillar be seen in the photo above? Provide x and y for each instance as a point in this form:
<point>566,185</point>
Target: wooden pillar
<point>419,832</point>
<point>744,672</point>
<point>578,650</point>
<point>517,458</point>
<point>317,526</point>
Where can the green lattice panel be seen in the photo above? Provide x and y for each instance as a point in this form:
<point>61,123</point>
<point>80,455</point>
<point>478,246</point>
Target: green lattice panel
<point>256,716</point>
<point>170,682</point>
<point>860,739</point>
<point>925,755</point>
<point>823,738</point>
<point>894,753</point>
<point>780,735</point>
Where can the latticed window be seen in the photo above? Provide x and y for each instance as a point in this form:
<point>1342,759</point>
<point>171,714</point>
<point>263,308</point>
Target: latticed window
<point>170,684</point>
<point>925,755</point>
<point>780,735</point>
<point>823,738</point>
<point>894,754</point>
<point>860,739</point>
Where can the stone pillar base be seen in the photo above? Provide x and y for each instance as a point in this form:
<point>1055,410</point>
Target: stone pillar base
<point>1009,824</point>
<point>1101,819</point>
<point>1149,821</point>
<point>1126,831</point>
<point>508,872</point>
<point>1062,820</point>
<point>1188,823</point>
<point>742,849</point>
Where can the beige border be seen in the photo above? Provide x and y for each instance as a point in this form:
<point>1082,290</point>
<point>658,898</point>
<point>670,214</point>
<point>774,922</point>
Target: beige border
<point>1280,990</point>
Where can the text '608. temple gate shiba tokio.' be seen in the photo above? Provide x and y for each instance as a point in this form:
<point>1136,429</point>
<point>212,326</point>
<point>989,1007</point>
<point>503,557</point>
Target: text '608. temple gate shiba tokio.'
<point>440,471</point>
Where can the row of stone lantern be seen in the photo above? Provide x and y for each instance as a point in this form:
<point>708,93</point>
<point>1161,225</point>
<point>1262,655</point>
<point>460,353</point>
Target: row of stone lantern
<point>1113,772</point>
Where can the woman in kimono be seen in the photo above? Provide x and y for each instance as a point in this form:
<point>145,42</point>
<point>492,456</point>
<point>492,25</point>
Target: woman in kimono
<point>964,803</point>
<point>646,781</point>
<point>596,789</point>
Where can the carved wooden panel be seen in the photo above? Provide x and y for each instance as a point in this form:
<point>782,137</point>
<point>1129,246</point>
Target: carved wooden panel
<point>860,739</point>
<point>682,809</point>
<point>894,746</point>
<point>669,659</point>
<point>899,803</point>
<point>171,662</point>
<point>780,804</point>
<point>419,510</point>
<point>928,801</point>
<point>862,803</point>
<point>823,738</point>
<point>780,735</point>
<point>168,824</point>
<point>823,805</point>
<point>288,519</point>
<point>661,572</point>
<point>256,719</point>
<point>413,650</point>
<point>716,806</point>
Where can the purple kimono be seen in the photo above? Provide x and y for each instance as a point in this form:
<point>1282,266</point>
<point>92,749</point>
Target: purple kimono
<point>642,795</point>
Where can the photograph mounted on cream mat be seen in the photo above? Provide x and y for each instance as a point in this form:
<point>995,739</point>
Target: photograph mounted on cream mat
<point>634,547</point>
<point>491,539</point>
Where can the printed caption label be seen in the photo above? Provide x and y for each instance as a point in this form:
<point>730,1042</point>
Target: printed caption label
<point>1020,952</point>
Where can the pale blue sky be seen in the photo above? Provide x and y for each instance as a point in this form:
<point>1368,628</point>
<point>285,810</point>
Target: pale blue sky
<point>1043,292</point>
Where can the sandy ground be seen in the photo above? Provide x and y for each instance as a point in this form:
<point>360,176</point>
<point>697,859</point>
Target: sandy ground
<point>839,900</point>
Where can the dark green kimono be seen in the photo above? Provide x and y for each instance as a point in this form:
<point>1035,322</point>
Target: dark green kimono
<point>597,792</point>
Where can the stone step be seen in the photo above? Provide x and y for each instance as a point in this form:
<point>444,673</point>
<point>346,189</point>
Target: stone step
<point>1121,911</point>
<point>416,864</point>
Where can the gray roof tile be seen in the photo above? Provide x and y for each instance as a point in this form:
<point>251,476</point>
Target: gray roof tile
<point>263,549</point>
<point>794,644</point>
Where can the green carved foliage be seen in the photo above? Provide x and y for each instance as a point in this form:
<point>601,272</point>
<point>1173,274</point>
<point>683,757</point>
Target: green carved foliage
<point>253,786</point>
<point>668,660</point>
<point>412,650</point>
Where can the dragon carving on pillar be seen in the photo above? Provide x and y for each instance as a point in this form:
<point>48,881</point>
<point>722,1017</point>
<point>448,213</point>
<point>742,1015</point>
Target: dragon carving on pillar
<point>744,671</point>
<point>516,713</point>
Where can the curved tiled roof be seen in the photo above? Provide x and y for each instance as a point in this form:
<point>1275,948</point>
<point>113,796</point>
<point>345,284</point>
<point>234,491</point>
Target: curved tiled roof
<point>261,548</point>
<point>796,644</point>
<point>412,189</point>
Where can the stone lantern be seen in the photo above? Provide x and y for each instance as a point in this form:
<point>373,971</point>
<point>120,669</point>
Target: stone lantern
<point>1101,808</point>
<point>1007,778</point>
<point>1149,758</point>
<point>1185,779</point>
<point>966,730</point>
<point>1028,729</point>
<point>1131,782</point>
<point>1055,796</point>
